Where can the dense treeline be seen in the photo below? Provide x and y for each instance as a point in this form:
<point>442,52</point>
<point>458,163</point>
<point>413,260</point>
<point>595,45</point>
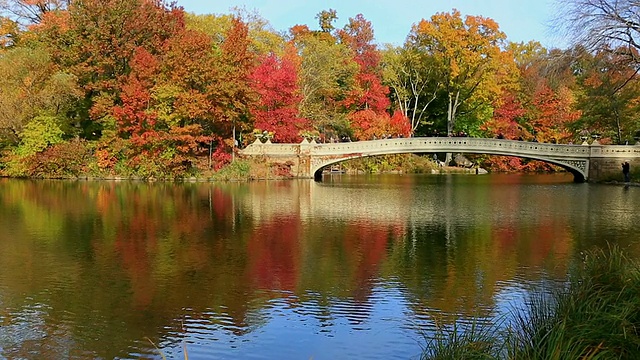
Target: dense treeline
<point>141,88</point>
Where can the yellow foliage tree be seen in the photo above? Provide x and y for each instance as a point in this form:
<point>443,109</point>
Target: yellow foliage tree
<point>468,56</point>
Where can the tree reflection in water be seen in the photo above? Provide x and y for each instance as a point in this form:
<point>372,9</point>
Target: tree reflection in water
<point>93,269</point>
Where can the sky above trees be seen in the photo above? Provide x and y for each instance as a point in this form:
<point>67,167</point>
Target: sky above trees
<point>521,21</point>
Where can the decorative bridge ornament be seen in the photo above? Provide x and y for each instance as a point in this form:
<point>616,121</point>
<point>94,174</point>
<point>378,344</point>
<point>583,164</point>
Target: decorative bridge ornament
<point>584,161</point>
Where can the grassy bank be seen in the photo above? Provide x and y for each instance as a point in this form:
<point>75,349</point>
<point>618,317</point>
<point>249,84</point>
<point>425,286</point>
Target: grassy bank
<point>596,316</point>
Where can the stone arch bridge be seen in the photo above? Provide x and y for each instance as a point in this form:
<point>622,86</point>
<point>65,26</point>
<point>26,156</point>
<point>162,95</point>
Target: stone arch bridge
<point>593,162</point>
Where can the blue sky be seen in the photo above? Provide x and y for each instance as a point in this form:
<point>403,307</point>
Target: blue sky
<point>392,19</point>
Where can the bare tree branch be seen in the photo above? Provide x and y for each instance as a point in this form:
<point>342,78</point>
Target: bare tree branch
<point>600,25</point>
<point>26,12</point>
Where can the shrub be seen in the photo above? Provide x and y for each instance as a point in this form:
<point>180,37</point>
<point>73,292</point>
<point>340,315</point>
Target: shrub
<point>62,160</point>
<point>237,170</point>
<point>38,134</point>
<point>473,341</point>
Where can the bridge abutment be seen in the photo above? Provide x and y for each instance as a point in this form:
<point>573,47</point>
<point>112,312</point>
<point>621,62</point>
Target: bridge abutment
<point>606,161</point>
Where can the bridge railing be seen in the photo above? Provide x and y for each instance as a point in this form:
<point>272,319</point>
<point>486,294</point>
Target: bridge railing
<point>616,151</point>
<point>455,145</point>
<point>435,144</point>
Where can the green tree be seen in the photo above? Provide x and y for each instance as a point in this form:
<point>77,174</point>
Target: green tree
<point>38,134</point>
<point>413,82</point>
<point>327,74</point>
<point>32,85</point>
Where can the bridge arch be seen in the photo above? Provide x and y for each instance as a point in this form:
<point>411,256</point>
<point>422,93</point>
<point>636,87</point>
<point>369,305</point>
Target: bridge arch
<point>574,169</point>
<point>573,158</point>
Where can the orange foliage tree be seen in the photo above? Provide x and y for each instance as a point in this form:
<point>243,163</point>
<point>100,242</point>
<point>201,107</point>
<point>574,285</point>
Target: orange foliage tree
<point>468,57</point>
<point>610,96</point>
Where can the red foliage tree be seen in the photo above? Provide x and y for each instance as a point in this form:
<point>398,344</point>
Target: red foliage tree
<point>358,36</point>
<point>506,118</point>
<point>133,116</point>
<point>369,93</point>
<point>275,81</point>
<point>170,147</point>
<point>552,111</point>
<point>209,87</point>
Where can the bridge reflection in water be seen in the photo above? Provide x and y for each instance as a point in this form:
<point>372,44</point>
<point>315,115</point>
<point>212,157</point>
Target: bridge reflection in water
<point>398,201</point>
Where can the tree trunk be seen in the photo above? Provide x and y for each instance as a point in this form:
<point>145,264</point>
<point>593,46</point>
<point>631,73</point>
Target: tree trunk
<point>451,120</point>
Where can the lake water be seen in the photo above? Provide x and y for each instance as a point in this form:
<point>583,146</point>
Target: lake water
<point>353,267</point>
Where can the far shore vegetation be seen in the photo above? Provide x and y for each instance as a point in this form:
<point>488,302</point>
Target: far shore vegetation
<point>89,90</point>
<point>240,169</point>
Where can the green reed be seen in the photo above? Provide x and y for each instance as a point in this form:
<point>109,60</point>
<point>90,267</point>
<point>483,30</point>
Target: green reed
<point>596,316</point>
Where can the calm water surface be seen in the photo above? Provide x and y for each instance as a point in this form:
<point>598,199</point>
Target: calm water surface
<point>354,267</point>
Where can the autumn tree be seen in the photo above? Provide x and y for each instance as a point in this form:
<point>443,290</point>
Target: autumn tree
<point>161,119</point>
<point>275,81</point>
<point>534,65</point>
<point>28,12</point>
<point>511,109</point>
<point>326,19</point>
<point>468,57</point>
<point>368,96</point>
<point>551,114</point>
<point>358,35</point>
<point>368,91</point>
<point>189,88</point>
<point>235,93</point>
<point>367,125</point>
<point>8,32</point>
<point>33,86</point>
<point>135,116</point>
<point>193,92</point>
<point>411,78</point>
<point>547,89</point>
<point>99,40</point>
<point>507,118</point>
<point>326,75</point>
<point>263,39</point>
<point>541,106</point>
<point>208,84</point>
<point>610,96</point>
<point>151,87</point>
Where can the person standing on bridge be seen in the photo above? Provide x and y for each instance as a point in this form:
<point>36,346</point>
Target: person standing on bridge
<point>625,171</point>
